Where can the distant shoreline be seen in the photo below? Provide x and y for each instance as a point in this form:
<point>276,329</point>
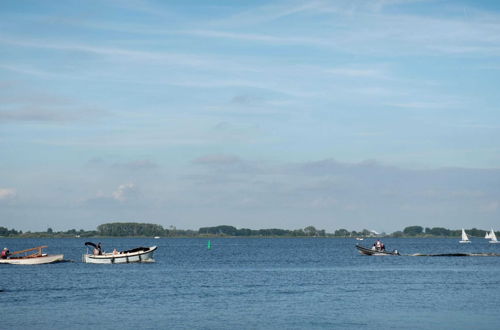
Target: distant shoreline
<point>149,230</point>
<point>228,237</point>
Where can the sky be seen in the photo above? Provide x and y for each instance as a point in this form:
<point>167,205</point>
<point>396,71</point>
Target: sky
<point>257,114</point>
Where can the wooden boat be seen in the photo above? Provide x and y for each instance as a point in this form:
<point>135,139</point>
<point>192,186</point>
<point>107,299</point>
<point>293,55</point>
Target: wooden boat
<point>36,258</point>
<point>139,254</point>
<point>375,252</point>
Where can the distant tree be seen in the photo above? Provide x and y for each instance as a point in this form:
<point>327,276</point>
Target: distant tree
<point>366,232</point>
<point>310,231</point>
<point>476,232</point>
<point>272,232</point>
<point>342,233</point>
<point>49,230</point>
<point>437,231</point>
<point>298,233</point>
<point>397,234</point>
<point>413,230</point>
<point>219,230</point>
<point>4,231</point>
<point>244,232</point>
<point>130,229</point>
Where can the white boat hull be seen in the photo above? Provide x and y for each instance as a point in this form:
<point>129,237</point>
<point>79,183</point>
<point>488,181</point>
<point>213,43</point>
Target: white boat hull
<point>122,258</point>
<point>44,259</point>
<point>464,242</point>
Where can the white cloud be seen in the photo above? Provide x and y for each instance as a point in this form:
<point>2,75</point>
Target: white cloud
<point>125,192</point>
<point>7,193</point>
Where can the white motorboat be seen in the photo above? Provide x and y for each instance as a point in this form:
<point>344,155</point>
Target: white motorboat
<point>36,258</point>
<point>139,254</point>
<point>465,238</point>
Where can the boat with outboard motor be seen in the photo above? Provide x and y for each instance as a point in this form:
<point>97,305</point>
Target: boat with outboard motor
<point>139,254</point>
<point>376,252</point>
<point>35,258</point>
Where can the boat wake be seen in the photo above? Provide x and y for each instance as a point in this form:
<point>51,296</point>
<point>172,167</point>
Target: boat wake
<point>455,255</point>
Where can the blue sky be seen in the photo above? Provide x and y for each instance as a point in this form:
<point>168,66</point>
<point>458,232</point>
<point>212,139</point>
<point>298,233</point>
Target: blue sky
<point>337,114</point>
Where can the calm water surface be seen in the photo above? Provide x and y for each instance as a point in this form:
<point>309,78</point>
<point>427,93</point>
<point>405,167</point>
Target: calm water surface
<point>255,283</point>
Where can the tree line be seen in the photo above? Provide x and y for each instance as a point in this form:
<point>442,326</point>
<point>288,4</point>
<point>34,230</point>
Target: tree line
<point>137,229</point>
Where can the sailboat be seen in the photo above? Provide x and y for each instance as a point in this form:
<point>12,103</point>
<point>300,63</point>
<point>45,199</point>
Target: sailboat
<point>493,237</point>
<point>487,235</point>
<point>465,238</point>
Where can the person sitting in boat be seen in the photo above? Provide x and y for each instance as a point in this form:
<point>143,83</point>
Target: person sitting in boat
<point>5,253</point>
<point>382,246</point>
<point>115,251</point>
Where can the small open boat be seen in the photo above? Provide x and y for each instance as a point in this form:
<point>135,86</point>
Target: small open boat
<point>139,254</point>
<point>375,252</point>
<point>35,258</point>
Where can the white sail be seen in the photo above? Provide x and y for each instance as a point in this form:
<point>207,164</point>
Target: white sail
<point>493,237</point>
<point>465,238</point>
<point>487,235</point>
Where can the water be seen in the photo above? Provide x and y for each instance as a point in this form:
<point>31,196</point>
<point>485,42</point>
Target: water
<point>255,283</point>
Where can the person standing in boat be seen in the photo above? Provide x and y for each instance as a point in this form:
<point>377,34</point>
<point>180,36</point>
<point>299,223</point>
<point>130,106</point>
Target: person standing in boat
<point>5,253</point>
<point>379,246</point>
<point>98,249</point>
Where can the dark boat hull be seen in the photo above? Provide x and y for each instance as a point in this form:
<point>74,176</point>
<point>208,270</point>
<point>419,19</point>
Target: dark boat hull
<point>370,252</point>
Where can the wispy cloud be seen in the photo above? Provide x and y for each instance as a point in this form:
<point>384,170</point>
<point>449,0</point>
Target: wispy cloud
<point>267,13</point>
<point>357,72</point>
<point>117,53</point>
<point>443,104</point>
<point>22,103</point>
<point>274,40</point>
<point>136,165</point>
<point>217,159</point>
<point>378,31</point>
<point>124,192</point>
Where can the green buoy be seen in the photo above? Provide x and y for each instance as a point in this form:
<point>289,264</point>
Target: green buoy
<point>209,245</point>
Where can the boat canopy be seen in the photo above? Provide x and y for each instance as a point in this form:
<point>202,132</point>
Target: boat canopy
<point>137,249</point>
<point>91,244</point>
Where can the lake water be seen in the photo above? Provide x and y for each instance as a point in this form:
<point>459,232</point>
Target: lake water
<point>255,284</point>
